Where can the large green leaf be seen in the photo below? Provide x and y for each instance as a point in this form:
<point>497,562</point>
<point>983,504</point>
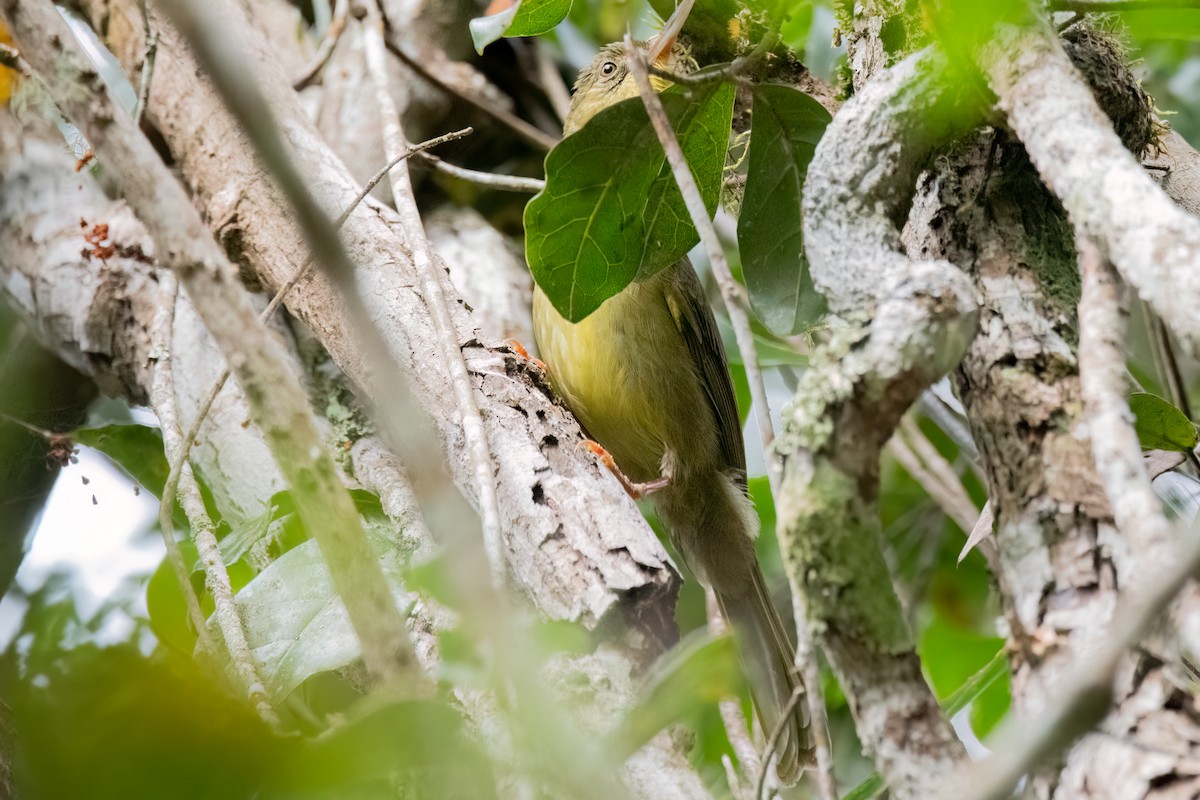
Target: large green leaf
<point>295,622</point>
<point>697,672</point>
<point>522,18</point>
<point>136,449</point>
<point>1160,425</point>
<point>787,125</point>
<point>611,210</point>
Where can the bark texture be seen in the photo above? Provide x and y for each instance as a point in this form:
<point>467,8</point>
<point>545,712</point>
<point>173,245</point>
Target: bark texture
<point>1062,561</point>
<point>574,541</point>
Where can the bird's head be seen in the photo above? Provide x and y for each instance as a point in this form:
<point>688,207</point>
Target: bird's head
<point>607,80</point>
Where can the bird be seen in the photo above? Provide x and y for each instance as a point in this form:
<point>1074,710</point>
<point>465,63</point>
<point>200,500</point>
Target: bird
<point>647,378</point>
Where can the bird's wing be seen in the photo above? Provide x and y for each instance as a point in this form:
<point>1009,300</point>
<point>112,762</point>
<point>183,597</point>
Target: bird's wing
<point>695,321</point>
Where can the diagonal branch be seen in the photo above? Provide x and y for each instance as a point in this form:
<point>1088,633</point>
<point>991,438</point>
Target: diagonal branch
<point>1153,243</point>
<point>277,400</point>
<point>434,296</point>
<point>576,545</point>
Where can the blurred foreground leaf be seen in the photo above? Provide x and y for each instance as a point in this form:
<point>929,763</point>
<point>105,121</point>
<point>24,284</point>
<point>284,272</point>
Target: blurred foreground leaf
<point>611,210</point>
<point>1160,425</point>
<point>410,749</point>
<point>110,723</point>
<point>699,671</point>
<point>787,125</point>
<point>1162,23</point>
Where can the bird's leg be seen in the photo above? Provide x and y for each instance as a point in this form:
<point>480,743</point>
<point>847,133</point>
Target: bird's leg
<point>635,490</point>
<point>520,350</point>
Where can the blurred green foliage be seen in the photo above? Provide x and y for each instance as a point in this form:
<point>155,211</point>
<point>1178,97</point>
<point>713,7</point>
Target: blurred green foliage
<point>142,718</point>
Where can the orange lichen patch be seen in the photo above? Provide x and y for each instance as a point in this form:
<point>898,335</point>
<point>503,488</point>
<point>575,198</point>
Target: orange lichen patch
<point>99,245</point>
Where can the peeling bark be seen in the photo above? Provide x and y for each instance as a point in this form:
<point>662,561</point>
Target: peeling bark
<point>576,544</point>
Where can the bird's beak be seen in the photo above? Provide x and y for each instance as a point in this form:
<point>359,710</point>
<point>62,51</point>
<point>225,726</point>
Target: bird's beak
<point>661,46</point>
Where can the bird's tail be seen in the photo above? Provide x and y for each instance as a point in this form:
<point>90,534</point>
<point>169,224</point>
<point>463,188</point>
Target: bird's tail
<point>768,659</point>
<point>713,525</point>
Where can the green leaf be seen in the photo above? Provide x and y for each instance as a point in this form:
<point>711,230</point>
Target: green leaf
<point>522,18</point>
<point>701,670</point>
<point>136,449</point>
<point>869,789</point>
<point>955,658</point>
<point>786,126</point>
<point>165,604</point>
<point>611,210</point>
<point>1160,425</point>
<point>295,622</point>
<point>1157,23</point>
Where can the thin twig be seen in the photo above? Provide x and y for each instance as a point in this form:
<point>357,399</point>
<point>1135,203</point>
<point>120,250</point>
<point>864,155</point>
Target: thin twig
<point>492,180</point>
<point>177,463</point>
<point>11,57</point>
<point>277,400</point>
<point>734,295</point>
<point>551,80</point>
<point>1168,364</point>
<point>810,671</point>
<point>1120,464</point>
<point>161,382</point>
<point>735,304</point>
<point>435,297</point>
<point>151,38</point>
<point>202,529</point>
<point>773,740</point>
<point>531,134</point>
<point>341,12</point>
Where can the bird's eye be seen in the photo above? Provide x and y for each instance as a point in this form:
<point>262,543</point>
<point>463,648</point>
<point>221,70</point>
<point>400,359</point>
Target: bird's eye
<point>608,68</point>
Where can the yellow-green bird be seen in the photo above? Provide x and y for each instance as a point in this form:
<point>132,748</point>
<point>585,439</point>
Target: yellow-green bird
<point>647,378</point>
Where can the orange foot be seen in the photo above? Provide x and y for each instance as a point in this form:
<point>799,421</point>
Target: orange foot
<point>635,490</point>
<point>520,350</point>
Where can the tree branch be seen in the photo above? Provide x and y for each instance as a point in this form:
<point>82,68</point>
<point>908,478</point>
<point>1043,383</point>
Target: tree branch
<point>1153,243</point>
<point>162,400</point>
<point>1136,509</point>
<point>435,298</point>
<point>915,319</point>
<point>277,400</point>
<point>341,11</point>
<point>577,545</point>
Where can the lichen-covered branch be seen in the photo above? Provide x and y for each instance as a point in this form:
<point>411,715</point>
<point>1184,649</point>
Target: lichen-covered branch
<point>903,324</point>
<point>1154,244</point>
<point>277,400</point>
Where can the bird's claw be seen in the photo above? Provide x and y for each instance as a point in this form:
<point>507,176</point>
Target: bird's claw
<point>635,490</point>
<point>520,350</point>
